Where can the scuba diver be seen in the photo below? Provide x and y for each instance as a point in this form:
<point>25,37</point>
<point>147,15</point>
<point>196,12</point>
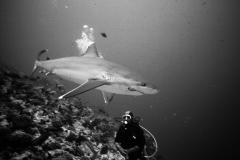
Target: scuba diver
<point>130,137</point>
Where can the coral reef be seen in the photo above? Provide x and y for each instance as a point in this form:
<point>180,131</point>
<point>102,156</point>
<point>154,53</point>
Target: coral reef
<point>35,125</point>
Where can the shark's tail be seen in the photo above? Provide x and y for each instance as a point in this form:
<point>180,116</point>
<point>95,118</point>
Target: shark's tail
<point>38,59</point>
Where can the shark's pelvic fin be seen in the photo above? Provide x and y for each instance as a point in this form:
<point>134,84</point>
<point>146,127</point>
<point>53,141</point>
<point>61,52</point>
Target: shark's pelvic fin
<point>107,96</point>
<point>50,73</point>
<point>91,51</point>
<point>88,85</point>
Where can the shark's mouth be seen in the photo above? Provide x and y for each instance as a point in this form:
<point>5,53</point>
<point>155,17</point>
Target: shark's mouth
<point>134,90</point>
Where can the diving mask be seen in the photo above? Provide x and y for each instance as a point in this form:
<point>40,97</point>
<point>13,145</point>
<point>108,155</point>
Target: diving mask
<point>126,118</point>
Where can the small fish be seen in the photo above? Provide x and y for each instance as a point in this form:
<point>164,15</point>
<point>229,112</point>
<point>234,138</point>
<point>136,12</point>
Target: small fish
<point>52,92</point>
<point>60,86</point>
<point>36,102</point>
<point>42,71</point>
<point>26,86</point>
<point>41,139</point>
<point>59,158</point>
<point>81,139</point>
<point>41,99</point>
<point>104,34</point>
<point>34,78</point>
<point>34,96</point>
<point>19,83</point>
<point>39,87</point>
<point>30,93</point>
<point>12,74</point>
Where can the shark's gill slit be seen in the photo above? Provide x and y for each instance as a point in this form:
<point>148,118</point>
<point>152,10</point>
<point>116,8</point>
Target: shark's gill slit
<point>108,77</point>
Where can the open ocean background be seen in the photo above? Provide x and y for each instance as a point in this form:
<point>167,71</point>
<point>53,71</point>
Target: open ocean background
<point>188,49</point>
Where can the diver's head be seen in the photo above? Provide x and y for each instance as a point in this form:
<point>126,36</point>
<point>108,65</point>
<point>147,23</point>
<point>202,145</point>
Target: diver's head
<point>127,117</point>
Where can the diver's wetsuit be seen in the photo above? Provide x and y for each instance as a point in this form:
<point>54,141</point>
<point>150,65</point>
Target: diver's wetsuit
<point>130,135</point>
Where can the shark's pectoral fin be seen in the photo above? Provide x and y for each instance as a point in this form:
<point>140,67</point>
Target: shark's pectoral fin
<point>107,96</point>
<point>88,85</point>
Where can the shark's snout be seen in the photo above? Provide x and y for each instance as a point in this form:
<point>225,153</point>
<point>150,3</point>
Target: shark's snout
<point>145,88</point>
<point>151,89</point>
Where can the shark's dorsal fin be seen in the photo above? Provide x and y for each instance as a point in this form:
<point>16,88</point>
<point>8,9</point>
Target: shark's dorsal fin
<point>91,51</point>
<point>88,85</point>
<point>107,96</point>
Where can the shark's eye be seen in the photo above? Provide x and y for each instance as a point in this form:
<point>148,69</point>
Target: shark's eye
<point>143,84</point>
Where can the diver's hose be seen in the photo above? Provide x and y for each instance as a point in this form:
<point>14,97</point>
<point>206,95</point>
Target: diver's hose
<point>154,140</point>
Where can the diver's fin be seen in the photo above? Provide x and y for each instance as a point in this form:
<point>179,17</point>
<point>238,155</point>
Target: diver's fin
<point>91,51</point>
<point>88,85</point>
<point>107,96</point>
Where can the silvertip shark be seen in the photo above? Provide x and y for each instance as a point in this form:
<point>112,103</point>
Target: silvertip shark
<point>91,71</point>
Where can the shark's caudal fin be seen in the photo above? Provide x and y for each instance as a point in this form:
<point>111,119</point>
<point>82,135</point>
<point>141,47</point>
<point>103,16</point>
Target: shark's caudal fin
<point>38,59</point>
<point>88,85</point>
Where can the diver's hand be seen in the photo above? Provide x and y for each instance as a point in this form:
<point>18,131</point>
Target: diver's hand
<point>126,157</point>
<point>121,150</point>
